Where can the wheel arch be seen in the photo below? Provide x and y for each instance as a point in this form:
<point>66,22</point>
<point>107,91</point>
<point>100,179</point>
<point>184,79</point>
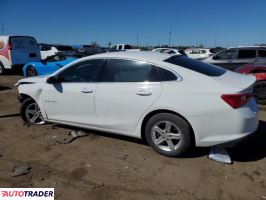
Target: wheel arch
<point>26,67</point>
<point>23,96</point>
<point>155,112</point>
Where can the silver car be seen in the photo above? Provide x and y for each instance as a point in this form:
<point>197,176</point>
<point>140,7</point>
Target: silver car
<point>233,58</point>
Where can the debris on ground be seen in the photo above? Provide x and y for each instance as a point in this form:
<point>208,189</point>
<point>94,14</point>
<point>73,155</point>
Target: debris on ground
<point>20,170</point>
<point>66,138</point>
<point>124,157</point>
<point>219,154</point>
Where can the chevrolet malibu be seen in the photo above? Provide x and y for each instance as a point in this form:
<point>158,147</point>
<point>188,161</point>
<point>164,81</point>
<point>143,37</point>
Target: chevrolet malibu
<point>171,101</point>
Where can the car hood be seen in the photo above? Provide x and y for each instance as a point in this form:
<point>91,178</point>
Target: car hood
<point>236,80</point>
<point>31,80</point>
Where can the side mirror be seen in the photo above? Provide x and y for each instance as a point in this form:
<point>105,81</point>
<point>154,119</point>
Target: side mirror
<point>53,80</point>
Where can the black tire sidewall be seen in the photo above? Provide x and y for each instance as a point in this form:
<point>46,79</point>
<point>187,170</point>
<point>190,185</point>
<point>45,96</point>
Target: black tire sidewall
<point>2,71</point>
<point>23,107</point>
<point>180,123</point>
<point>31,67</point>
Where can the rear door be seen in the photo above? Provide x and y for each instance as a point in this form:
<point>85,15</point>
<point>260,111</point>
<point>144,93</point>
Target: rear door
<point>23,50</point>
<point>127,89</point>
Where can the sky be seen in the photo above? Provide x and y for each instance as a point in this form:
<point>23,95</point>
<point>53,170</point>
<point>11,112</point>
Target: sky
<point>146,22</point>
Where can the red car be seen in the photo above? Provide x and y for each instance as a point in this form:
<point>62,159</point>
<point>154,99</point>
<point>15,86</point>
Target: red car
<point>259,71</point>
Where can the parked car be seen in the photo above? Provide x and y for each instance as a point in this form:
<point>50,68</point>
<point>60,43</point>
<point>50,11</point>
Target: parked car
<point>123,47</point>
<point>92,50</point>
<point>50,50</point>
<point>198,54</point>
<point>233,58</point>
<point>15,51</point>
<point>169,100</point>
<point>47,66</point>
<point>169,51</point>
<point>259,71</point>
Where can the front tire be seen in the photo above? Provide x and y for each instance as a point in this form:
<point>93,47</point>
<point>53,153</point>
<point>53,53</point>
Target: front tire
<point>31,71</point>
<point>2,69</point>
<point>168,134</point>
<point>30,112</point>
<point>260,92</point>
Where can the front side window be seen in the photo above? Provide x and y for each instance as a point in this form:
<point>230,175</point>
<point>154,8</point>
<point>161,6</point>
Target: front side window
<point>226,55</point>
<point>86,71</point>
<point>129,71</point>
<point>246,54</point>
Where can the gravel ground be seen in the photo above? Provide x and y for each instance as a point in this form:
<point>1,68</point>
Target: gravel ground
<point>104,166</point>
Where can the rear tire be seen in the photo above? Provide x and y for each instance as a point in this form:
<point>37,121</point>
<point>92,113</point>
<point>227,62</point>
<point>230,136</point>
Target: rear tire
<point>31,71</point>
<point>30,112</point>
<point>2,69</point>
<point>260,92</point>
<point>168,134</point>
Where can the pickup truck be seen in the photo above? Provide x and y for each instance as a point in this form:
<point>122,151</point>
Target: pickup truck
<point>123,47</point>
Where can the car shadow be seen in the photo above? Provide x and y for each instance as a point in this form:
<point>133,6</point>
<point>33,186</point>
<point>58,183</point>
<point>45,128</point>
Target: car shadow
<point>10,115</point>
<point>95,133</point>
<point>2,87</point>
<point>253,148</point>
<point>192,153</point>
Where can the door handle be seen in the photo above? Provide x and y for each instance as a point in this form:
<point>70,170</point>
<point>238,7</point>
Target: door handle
<point>144,92</point>
<point>85,90</point>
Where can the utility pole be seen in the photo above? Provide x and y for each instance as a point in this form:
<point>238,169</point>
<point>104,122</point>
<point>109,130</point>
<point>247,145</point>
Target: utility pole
<point>169,39</point>
<point>137,38</point>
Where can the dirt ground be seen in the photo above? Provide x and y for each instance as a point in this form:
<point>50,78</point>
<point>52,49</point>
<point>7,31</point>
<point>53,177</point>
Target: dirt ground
<point>104,166</point>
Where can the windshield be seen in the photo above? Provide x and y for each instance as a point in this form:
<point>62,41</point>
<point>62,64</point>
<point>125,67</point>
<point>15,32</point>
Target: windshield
<point>195,65</point>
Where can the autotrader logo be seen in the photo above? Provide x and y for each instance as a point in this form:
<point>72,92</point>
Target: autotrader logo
<point>26,193</point>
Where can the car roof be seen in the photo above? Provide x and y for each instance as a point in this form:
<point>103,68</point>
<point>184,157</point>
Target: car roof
<point>147,56</point>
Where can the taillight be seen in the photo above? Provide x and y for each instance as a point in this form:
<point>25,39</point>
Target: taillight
<point>236,100</point>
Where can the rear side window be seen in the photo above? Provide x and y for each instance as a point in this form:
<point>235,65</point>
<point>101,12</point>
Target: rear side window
<point>195,65</point>
<point>246,54</point>
<point>166,75</point>
<point>262,53</point>
<point>129,71</point>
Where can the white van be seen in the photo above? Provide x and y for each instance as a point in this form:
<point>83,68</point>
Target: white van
<point>15,51</point>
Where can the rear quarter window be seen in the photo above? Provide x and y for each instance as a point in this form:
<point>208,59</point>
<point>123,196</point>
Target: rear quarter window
<point>195,65</point>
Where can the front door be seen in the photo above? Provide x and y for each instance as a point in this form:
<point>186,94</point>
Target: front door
<point>72,99</point>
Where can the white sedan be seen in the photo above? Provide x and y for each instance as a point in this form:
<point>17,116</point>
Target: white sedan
<point>171,101</point>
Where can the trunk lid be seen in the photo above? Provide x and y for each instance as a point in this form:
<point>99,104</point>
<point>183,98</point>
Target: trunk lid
<point>237,80</point>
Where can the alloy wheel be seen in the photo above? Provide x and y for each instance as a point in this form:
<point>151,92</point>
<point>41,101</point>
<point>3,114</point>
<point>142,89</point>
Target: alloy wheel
<point>166,135</point>
<point>33,114</point>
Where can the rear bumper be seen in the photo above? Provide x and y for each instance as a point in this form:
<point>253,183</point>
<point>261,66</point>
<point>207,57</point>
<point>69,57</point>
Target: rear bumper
<point>225,128</point>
